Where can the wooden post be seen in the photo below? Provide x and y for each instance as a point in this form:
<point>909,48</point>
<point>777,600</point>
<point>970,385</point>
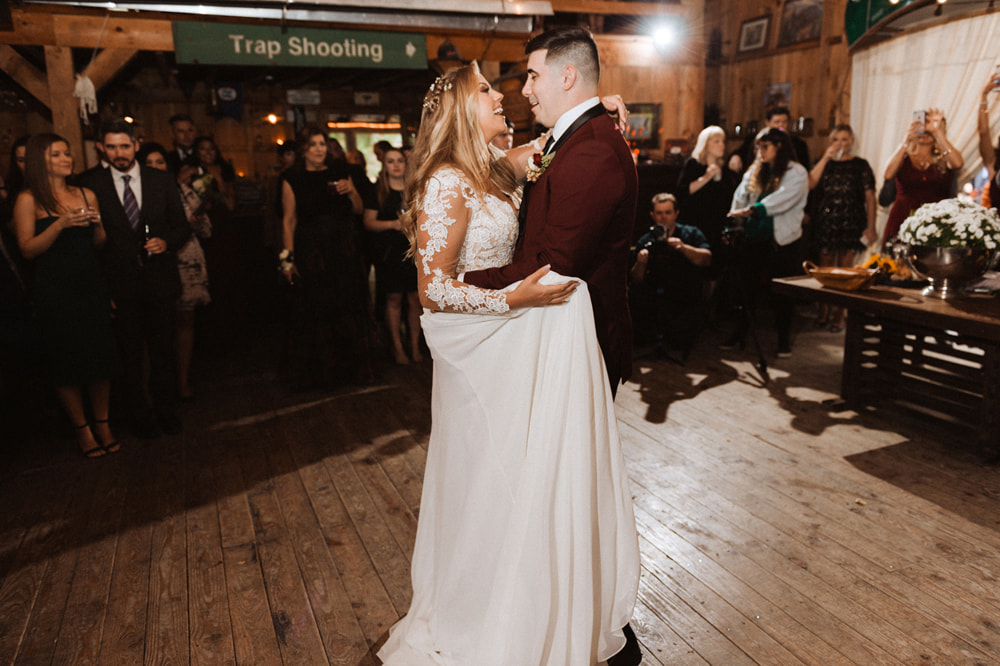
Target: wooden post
<point>65,115</point>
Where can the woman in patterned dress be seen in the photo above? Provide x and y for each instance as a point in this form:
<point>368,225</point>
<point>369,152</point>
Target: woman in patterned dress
<point>844,216</point>
<point>192,267</point>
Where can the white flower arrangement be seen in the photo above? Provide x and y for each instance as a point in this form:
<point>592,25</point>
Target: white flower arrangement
<point>952,223</point>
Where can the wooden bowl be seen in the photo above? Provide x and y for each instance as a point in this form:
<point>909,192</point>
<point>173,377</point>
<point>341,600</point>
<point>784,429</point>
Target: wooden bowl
<point>846,279</point>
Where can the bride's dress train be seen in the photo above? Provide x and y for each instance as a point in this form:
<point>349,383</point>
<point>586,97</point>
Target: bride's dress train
<point>526,551</point>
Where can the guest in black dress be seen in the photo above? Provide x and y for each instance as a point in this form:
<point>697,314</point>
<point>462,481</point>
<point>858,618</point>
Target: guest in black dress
<point>705,189</point>
<point>59,229</point>
<point>329,329</point>
<point>844,213</point>
<point>396,274</point>
<point>10,187</point>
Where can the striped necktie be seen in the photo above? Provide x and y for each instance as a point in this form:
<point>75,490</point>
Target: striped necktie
<point>130,205</point>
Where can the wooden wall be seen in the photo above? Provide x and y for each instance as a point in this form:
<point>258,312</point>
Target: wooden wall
<point>683,81</point>
<point>819,71</point>
<point>632,68</point>
<point>676,80</point>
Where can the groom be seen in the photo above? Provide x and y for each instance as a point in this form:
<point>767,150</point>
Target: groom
<point>579,213</point>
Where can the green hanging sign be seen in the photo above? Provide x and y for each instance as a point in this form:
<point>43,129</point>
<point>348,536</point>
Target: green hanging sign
<point>862,15</point>
<point>229,44</point>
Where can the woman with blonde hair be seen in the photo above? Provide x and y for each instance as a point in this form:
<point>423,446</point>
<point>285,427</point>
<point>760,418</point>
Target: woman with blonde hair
<point>844,212</point>
<point>924,168</point>
<point>704,190</point>
<point>525,514</point>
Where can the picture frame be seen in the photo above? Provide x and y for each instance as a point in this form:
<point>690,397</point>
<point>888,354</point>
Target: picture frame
<point>753,34</point>
<point>777,94</point>
<point>801,21</point>
<point>644,125</point>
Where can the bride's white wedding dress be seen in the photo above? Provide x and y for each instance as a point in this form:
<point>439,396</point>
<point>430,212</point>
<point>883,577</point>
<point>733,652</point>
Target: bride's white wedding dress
<point>526,551</point>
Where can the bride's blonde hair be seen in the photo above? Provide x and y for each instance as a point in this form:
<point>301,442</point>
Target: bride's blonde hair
<point>450,134</point>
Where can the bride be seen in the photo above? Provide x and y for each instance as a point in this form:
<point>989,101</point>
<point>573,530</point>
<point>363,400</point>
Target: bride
<point>526,550</point>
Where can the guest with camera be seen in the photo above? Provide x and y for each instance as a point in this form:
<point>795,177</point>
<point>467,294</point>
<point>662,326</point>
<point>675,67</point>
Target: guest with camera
<point>668,273</point>
<point>769,205</point>
<point>924,168</point>
<point>987,151</point>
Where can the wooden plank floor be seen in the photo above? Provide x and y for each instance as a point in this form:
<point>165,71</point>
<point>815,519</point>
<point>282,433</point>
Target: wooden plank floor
<point>775,528</point>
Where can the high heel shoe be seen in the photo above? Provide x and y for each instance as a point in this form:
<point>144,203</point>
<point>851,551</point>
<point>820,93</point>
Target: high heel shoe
<point>112,446</point>
<point>95,451</point>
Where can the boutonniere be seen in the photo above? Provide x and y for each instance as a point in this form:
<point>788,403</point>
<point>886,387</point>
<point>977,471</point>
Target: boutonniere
<point>537,165</point>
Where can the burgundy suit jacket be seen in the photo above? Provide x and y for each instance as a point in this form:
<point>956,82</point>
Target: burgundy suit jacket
<point>580,214</point>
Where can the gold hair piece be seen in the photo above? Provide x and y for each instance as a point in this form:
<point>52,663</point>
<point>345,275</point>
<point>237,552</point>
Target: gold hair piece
<point>433,97</point>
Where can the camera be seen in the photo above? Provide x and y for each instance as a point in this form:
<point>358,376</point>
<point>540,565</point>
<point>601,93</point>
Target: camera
<point>735,231</point>
<point>659,237</point>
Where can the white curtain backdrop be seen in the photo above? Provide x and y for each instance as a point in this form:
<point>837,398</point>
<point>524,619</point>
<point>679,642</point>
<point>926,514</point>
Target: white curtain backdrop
<point>945,67</point>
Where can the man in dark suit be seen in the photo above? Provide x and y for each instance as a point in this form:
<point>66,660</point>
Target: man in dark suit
<point>578,214</point>
<point>183,130</point>
<point>145,224</point>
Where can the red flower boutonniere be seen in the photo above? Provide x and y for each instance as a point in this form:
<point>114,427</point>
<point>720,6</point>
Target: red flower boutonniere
<point>537,165</point>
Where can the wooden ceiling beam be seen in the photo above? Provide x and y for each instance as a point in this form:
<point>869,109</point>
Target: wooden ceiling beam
<point>24,73</point>
<point>108,63</point>
<point>621,8</point>
<point>88,31</point>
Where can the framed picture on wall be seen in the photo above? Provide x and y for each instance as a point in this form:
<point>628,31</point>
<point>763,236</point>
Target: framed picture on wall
<point>801,21</point>
<point>753,34</point>
<point>778,94</point>
<point>644,125</point>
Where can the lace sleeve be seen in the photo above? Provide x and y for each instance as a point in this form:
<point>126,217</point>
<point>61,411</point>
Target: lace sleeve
<point>441,227</point>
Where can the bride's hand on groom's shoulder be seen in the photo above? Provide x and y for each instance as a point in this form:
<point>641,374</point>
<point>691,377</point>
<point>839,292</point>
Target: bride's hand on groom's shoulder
<point>531,293</point>
<point>618,111</point>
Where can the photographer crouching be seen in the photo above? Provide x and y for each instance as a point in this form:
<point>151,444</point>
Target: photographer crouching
<point>668,273</point>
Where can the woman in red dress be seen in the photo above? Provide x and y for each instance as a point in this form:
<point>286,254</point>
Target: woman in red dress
<point>924,167</point>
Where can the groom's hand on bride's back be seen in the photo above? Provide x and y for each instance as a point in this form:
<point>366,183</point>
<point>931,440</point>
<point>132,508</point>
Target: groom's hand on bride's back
<point>531,293</point>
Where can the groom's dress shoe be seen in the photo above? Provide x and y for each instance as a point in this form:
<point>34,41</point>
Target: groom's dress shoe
<point>630,655</point>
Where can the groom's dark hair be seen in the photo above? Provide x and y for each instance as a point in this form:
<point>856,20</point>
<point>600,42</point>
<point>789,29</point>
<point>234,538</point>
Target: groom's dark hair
<point>572,45</point>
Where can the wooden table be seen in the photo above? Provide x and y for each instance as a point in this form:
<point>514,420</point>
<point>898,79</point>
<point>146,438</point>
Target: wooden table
<point>940,357</point>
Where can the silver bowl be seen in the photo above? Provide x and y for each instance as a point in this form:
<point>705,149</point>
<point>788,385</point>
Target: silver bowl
<point>949,269</point>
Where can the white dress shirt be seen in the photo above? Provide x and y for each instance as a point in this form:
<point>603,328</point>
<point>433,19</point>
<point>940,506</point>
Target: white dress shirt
<point>135,183</point>
<point>568,118</point>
